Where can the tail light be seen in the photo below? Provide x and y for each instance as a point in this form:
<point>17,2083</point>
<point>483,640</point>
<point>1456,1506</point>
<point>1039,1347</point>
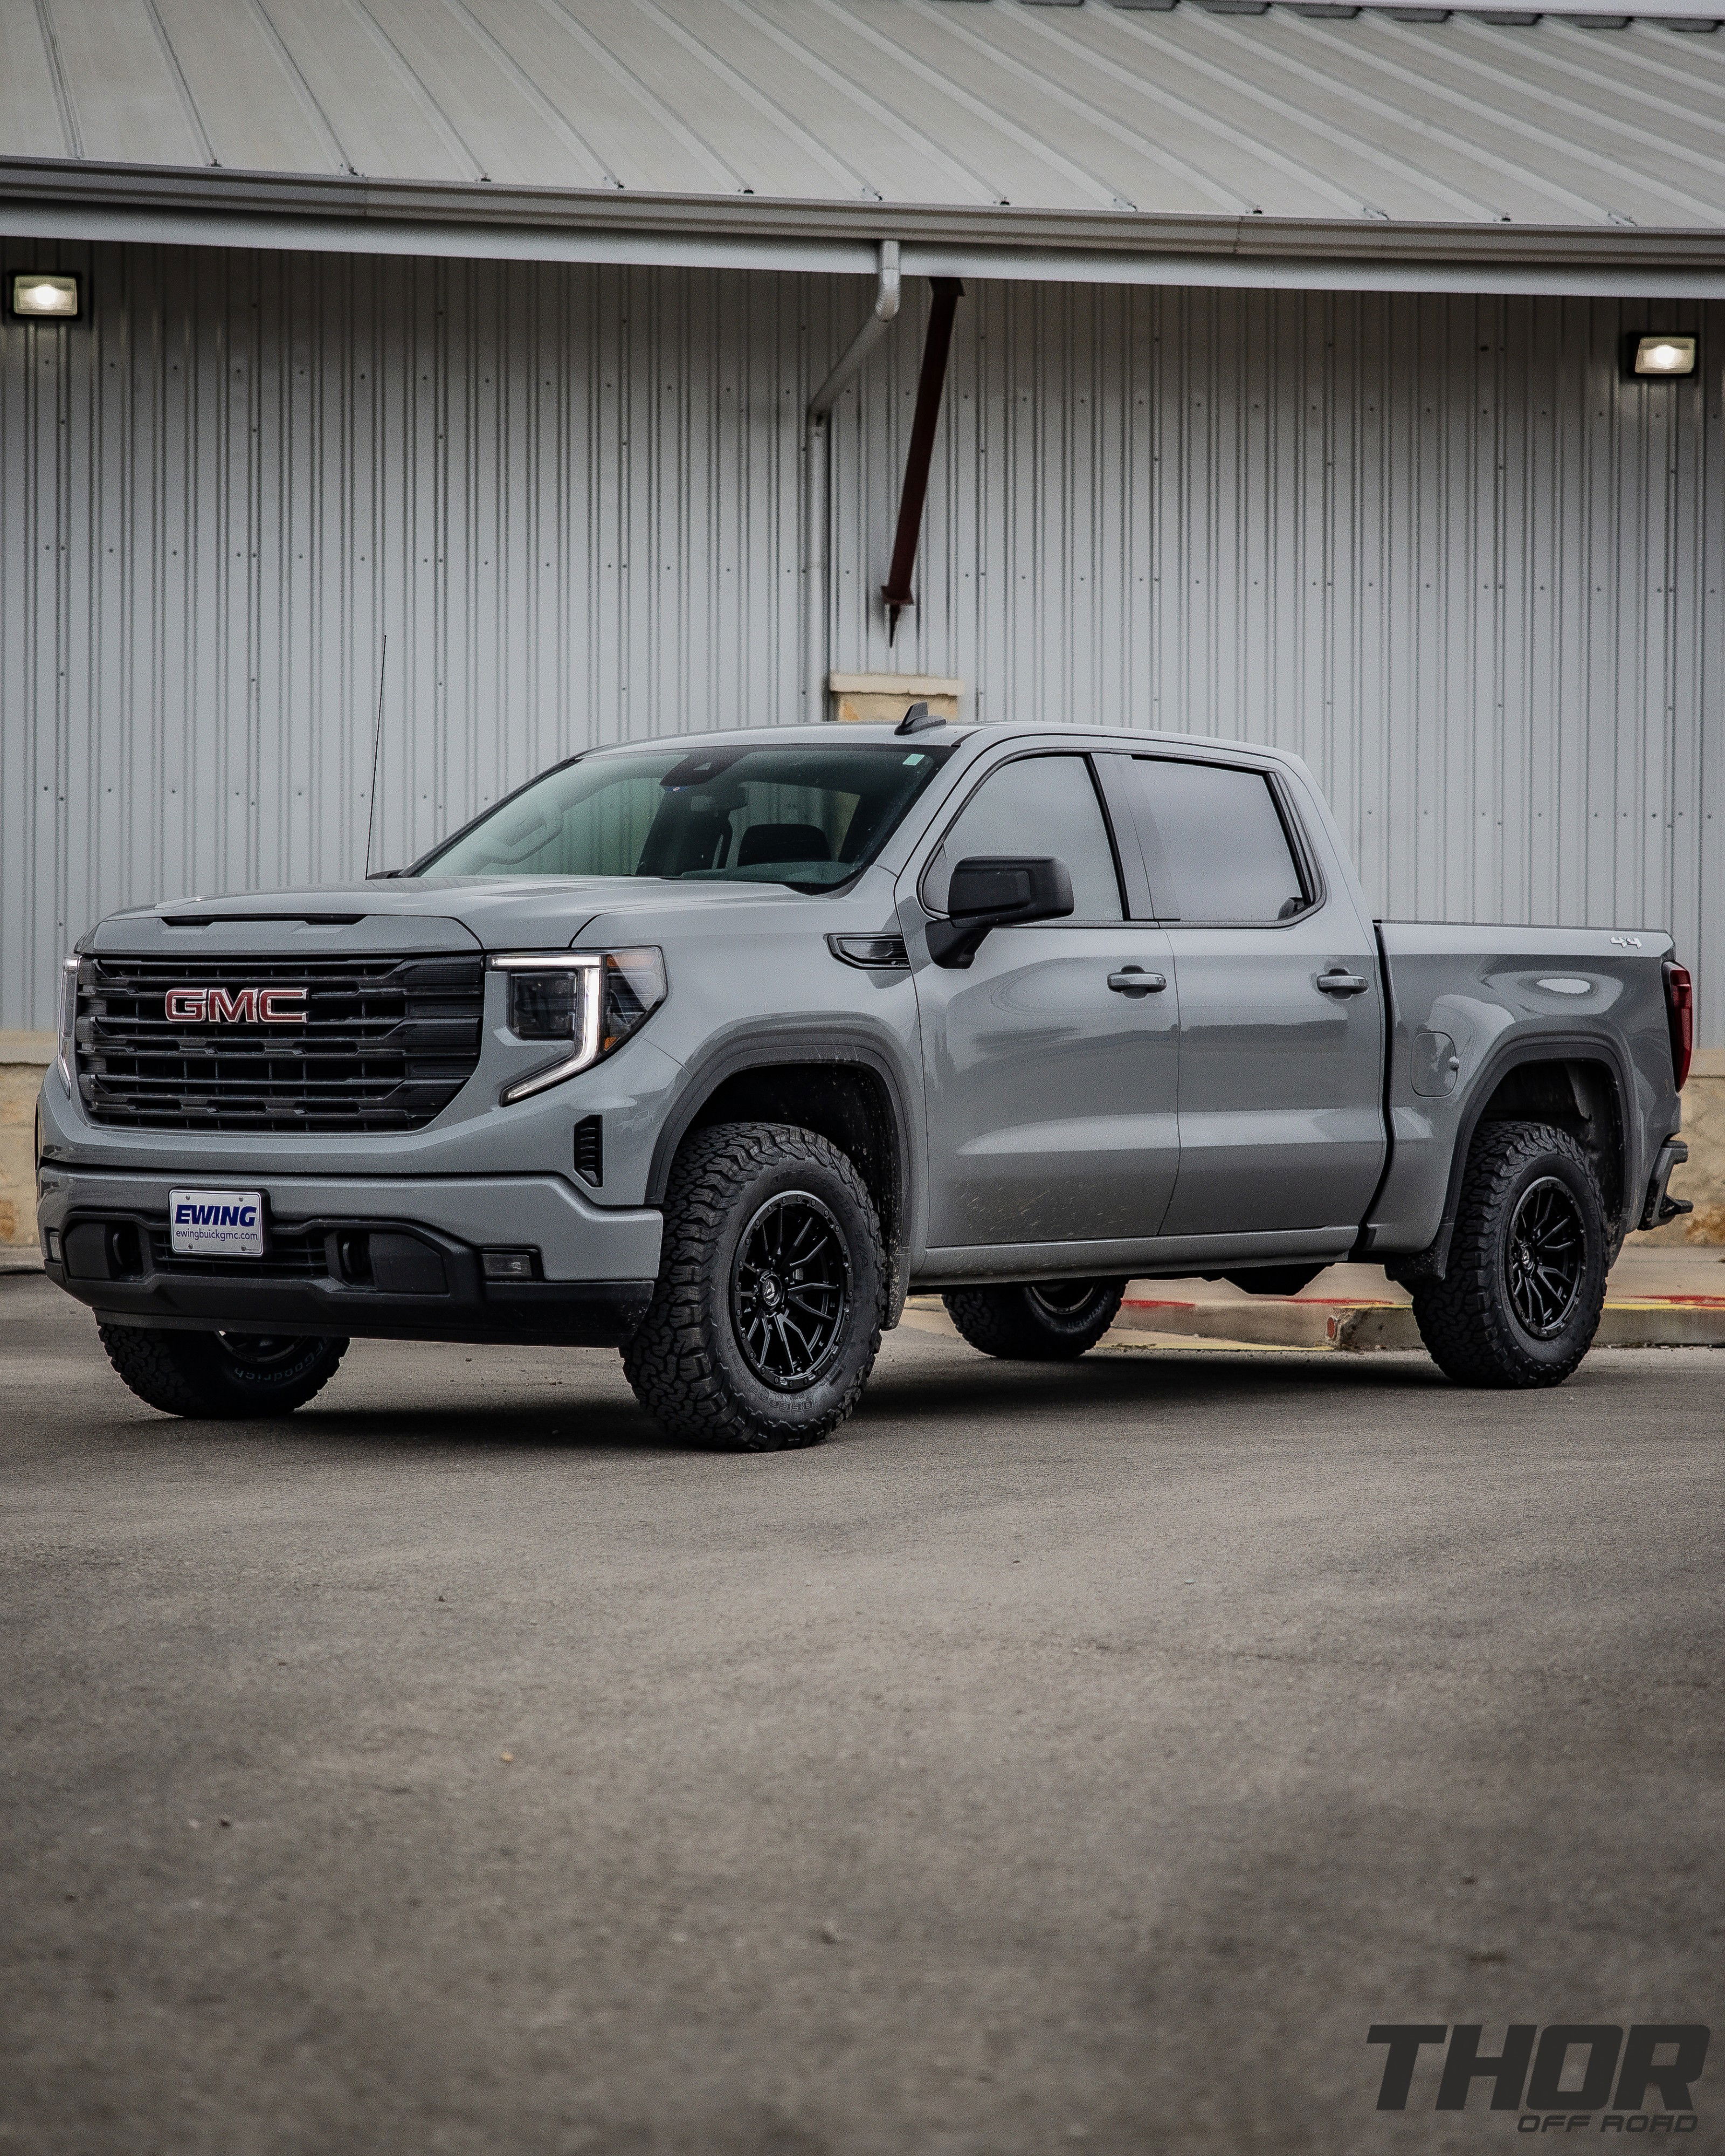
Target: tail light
<point>1680,1016</point>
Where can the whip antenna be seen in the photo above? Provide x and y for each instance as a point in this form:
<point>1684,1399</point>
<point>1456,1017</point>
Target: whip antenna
<point>377,744</point>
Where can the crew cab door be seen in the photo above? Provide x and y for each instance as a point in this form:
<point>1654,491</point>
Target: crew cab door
<point>1281,1003</point>
<point>1051,1062</point>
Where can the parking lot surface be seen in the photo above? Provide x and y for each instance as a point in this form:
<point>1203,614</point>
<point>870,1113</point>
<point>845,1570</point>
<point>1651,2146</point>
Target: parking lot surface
<point>1075,1757</point>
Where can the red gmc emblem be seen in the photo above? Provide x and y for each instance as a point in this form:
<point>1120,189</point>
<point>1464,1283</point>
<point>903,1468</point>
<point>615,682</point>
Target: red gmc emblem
<point>236,1006</point>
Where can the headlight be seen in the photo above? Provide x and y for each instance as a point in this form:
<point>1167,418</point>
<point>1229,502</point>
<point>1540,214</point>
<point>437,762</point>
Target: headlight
<point>68,1022</point>
<point>590,1000</point>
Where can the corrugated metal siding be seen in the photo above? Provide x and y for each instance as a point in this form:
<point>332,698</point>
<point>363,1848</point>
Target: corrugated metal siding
<point>1433,544</point>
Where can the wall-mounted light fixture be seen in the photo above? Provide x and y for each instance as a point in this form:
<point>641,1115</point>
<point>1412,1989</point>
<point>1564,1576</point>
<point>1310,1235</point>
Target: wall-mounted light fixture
<point>43,295</point>
<point>1652,356</point>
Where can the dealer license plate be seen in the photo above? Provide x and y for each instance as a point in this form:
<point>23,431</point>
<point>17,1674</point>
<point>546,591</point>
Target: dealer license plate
<point>216,1223</point>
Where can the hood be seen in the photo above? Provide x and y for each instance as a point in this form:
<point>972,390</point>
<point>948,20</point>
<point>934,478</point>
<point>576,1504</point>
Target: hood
<point>424,912</point>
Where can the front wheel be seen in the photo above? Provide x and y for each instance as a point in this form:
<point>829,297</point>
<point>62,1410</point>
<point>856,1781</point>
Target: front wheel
<point>765,1319</point>
<point>221,1375</point>
<point>1036,1320</point>
<point>1521,1300</point>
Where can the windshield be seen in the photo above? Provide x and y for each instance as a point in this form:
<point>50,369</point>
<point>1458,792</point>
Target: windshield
<point>806,816</point>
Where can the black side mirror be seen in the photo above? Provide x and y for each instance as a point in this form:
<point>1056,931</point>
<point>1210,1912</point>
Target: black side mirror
<point>997,890</point>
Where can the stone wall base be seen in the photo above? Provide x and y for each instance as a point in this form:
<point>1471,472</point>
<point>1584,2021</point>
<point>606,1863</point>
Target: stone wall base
<point>23,1058</point>
<point>1701,1178</point>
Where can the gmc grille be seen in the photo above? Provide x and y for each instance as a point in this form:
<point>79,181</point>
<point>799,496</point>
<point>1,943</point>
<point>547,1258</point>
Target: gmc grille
<point>388,1042</point>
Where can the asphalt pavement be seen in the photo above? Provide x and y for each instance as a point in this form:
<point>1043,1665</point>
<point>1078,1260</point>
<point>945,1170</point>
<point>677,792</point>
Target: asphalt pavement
<point>1058,1758</point>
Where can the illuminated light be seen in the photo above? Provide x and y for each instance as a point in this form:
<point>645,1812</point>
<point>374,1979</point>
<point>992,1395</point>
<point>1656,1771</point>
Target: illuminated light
<point>37,293</point>
<point>1664,355</point>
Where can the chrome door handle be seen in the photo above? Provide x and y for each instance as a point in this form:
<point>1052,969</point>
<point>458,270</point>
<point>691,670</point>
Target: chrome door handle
<point>1336,982</point>
<point>1134,981</point>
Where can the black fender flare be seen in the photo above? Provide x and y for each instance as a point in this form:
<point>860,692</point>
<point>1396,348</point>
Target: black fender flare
<point>1512,1055</point>
<point>755,1044</point>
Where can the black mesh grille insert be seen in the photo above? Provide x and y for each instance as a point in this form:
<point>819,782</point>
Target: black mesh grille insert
<point>290,1254</point>
<point>386,1043</point>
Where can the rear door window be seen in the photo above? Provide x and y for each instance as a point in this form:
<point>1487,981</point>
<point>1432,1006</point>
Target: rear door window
<point>1215,846</point>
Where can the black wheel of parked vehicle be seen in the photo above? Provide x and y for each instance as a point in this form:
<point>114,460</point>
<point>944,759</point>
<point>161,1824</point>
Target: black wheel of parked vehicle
<point>1521,1301</point>
<point>221,1374</point>
<point>766,1320</point>
<point>1035,1322</point>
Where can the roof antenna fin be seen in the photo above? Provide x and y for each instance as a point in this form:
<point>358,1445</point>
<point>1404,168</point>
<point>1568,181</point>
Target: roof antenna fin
<point>917,720</point>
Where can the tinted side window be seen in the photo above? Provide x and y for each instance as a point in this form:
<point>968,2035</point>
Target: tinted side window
<point>1214,847</point>
<point>1041,804</point>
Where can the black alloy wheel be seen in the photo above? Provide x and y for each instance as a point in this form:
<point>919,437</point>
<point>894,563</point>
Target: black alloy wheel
<point>772,1283</point>
<point>790,1291</point>
<point>263,1354</point>
<point>1545,1257</point>
<point>1061,1300</point>
<point>1036,1321</point>
<point>1524,1283</point>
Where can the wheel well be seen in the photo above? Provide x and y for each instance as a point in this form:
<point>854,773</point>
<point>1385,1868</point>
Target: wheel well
<point>1578,1097</point>
<point>846,1103</point>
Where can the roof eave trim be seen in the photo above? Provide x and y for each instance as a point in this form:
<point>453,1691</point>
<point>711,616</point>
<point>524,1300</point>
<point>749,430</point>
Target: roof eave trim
<point>323,213</point>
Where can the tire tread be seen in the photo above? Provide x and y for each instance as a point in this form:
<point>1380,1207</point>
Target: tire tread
<point>1463,1318</point>
<point>1003,1321</point>
<point>668,1360</point>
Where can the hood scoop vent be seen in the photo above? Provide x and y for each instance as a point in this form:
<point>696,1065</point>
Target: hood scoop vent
<point>297,919</point>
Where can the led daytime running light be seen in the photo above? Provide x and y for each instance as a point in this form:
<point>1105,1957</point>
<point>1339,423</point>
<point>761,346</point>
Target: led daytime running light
<point>616,992</point>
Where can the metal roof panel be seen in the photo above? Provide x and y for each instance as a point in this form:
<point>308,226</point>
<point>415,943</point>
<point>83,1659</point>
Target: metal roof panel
<point>1187,113</point>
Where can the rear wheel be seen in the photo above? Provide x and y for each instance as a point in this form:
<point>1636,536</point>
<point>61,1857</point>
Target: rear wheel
<point>221,1374</point>
<point>1036,1320</point>
<point>1519,1303</point>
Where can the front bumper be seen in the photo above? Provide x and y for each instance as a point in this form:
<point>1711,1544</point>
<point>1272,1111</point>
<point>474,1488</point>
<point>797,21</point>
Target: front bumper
<point>360,1257</point>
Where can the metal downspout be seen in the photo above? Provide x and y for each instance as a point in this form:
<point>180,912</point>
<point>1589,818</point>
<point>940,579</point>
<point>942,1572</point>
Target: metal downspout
<point>817,457</point>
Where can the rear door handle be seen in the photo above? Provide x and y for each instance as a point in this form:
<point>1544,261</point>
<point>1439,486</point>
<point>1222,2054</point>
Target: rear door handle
<point>1336,982</point>
<point>1134,981</point>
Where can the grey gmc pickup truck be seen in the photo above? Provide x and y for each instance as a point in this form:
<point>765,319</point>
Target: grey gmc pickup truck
<point>710,1048</point>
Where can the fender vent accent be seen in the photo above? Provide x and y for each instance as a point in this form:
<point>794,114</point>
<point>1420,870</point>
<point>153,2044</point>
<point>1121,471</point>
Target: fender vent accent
<point>590,1150</point>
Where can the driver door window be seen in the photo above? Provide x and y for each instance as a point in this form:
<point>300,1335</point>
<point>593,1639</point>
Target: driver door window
<point>1040,804</point>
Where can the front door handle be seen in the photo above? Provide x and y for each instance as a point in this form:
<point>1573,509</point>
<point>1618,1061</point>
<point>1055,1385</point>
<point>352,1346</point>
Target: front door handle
<point>1134,981</point>
<point>1336,983</point>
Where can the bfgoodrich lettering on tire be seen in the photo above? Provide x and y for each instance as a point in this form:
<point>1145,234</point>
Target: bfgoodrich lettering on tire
<point>1521,1301</point>
<point>766,1320</point>
<point>221,1374</point>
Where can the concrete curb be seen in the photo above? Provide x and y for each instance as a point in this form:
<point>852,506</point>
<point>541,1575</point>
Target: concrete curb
<point>1362,1328</point>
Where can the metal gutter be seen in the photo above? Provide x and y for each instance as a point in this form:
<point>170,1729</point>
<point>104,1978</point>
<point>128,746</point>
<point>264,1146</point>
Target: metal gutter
<point>817,479</point>
<point>76,200</point>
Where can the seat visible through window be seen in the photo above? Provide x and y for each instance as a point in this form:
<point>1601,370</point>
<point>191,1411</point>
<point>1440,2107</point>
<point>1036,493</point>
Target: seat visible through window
<point>783,842</point>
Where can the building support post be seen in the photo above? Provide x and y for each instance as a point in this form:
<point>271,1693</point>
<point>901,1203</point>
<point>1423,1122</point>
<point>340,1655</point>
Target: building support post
<point>937,346</point>
<point>816,462</point>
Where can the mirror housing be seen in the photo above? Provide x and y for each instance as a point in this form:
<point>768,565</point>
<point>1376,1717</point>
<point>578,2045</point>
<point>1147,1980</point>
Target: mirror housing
<point>997,890</point>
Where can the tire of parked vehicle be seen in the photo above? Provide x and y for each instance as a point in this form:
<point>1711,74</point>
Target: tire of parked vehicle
<point>225,1375</point>
<point>1520,1302</point>
<point>1036,1321</point>
<point>766,1320</point>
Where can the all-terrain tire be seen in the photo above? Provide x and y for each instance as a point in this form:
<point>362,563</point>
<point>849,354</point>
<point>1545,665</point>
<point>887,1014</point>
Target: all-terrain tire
<point>223,1375</point>
<point>697,1361</point>
<point>1470,1320</point>
<point>1036,1321</point>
